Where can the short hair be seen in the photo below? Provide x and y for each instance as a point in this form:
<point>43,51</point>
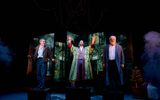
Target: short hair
<point>112,36</point>
<point>41,39</point>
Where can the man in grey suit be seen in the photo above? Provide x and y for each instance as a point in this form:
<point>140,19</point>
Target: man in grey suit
<point>113,63</point>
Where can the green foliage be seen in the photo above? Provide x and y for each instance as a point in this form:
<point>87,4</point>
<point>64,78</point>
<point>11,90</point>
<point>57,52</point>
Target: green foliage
<point>59,53</point>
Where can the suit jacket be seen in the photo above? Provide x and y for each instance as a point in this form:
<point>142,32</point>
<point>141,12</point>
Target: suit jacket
<point>46,53</point>
<point>119,60</point>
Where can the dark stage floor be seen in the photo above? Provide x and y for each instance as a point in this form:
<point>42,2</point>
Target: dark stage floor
<point>56,96</point>
<point>61,91</point>
<point>55,93</point>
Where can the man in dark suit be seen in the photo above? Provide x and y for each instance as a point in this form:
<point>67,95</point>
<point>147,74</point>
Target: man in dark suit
<point>113,63</point>
<point>41,56</point>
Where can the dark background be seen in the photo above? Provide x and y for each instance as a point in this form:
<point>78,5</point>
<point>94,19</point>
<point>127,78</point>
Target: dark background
<point>21,20</point>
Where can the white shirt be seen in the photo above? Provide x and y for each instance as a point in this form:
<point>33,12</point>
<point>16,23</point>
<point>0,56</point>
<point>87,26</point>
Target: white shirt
<point>40,51</point>
<point>112,51</point>
<point>81,48</point>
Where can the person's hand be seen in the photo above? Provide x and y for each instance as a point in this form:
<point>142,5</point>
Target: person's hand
<point>69,38</point>
<point>93,37</point>
<point>104,66</point>
<point>104,70</point>
<point>122,66</point>
<point>29,56</point>
<point>53,60</point>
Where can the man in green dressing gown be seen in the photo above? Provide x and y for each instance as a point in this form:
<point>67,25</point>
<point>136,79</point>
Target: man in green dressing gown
<point>81,67</point>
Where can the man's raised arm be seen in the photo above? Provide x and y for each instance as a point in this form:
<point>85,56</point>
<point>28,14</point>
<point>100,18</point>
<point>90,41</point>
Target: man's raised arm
<point>93,40</point>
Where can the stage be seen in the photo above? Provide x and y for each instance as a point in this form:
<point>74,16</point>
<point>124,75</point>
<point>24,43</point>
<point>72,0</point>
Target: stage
<point>24,95</point>
<point>62,91</point>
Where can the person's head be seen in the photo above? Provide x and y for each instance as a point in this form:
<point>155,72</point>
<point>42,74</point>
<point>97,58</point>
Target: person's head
<point>112,39</point>
<point>42,42</point>
<point>81,43</point>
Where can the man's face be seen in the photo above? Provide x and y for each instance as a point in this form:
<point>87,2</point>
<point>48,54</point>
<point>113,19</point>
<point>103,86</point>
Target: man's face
<point>81,43</point>
<point>42,42</point>
<point>112,40</point>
